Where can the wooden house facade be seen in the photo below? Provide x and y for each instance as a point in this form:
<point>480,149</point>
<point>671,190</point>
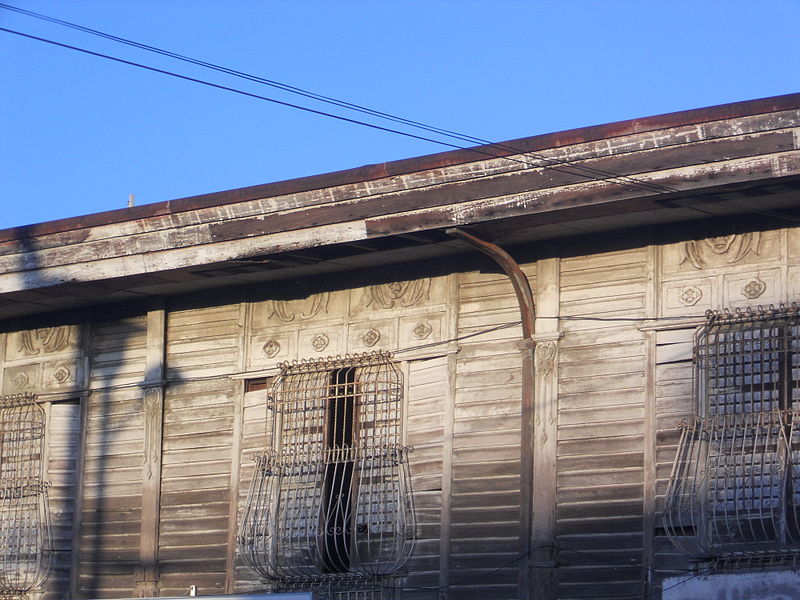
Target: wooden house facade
<point>540,300</point>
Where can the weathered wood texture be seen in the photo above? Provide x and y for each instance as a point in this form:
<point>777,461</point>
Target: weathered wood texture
<point>255,433</point>
<point>486,446</point>
<point>112,479</point>
<point>601,397</point>
<point>63,438</point>
<point>425,427</point>
<point>749,148</point>
<point>674,402</point>
<point>202,348</point>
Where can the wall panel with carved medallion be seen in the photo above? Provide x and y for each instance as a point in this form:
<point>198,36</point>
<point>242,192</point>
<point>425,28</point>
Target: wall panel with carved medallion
<point>723,267</point>
<point>386,316</point>
<point>43,360</point>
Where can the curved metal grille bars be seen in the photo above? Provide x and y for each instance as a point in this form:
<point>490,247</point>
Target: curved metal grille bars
<point>25,542</point>
<point>735,485</point>
<point>330,498</point>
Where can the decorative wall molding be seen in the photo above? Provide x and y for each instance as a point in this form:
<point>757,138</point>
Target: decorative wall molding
<point>320,341</point>
<point>544,357</point>
<point>371,337</point>
<point>62,375</point>
<point>44,340</point>
<point>754,288</point>
<point>271,348</point>
<point>20,380</point>
<point>690,295</point>
<point>720,250</point>
<point>153,399</point>
<point>399,293</point>
<point>301,310</point>
<point>422,330</point>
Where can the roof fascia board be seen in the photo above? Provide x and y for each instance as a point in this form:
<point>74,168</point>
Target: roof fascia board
<point>411,165</point>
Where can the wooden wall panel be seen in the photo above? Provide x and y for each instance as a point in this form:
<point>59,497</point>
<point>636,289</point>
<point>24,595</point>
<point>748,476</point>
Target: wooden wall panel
<point>486,443</point>
<point>255,435</point>
<point>195,486</point>
<point>600,425</point>
<point>112,472</point>
<point>674,402</point>
<point>202,349</point>
<point>63,439</point>
<point>425,430</point>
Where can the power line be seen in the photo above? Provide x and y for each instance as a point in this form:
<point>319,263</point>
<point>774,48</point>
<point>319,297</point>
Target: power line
<point>560,165</point>
<point>585,171</point>
<point>226,88</point>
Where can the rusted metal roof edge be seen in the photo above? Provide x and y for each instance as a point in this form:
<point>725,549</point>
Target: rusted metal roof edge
<point>410,165</point>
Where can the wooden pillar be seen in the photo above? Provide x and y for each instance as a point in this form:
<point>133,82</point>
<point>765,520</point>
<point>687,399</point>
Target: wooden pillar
<point>543,580</point>
<point>153,409</point>
<point>245,314</point>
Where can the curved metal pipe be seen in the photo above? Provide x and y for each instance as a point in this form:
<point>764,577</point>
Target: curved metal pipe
<point>527,310</point>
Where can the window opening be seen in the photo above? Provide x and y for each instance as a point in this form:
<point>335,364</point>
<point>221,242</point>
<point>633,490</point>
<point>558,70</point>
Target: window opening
<point>330,501</point>
<point>735,484</point>
<point>337,514</point>
<point>25,536</point>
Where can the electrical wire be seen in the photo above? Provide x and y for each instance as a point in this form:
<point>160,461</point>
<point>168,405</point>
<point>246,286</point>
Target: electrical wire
<point>561,165</point>
<point>226,88</point>
<point>585,171</point>
<point>690,322</point>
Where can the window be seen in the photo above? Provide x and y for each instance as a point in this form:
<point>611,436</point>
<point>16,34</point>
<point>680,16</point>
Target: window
<point>330,498</point>
<point>735,486</point>
<point>25,543</point>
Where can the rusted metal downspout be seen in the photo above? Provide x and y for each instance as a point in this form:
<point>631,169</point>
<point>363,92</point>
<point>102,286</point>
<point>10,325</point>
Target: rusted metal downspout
<point>527,311</point>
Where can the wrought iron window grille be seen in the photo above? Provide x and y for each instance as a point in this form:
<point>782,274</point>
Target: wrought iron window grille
<point>25,530</point>
<point>734,492</point>
<point>330,505</point>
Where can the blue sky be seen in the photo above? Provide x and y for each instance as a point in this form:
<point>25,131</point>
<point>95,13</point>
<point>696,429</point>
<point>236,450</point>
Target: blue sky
<point>78,134</point>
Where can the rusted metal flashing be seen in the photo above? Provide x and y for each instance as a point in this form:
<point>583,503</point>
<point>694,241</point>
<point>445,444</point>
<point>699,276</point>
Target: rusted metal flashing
<point>405,166</point>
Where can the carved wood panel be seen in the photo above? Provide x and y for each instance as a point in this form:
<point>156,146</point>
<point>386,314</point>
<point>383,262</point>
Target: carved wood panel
<point>41,360</point>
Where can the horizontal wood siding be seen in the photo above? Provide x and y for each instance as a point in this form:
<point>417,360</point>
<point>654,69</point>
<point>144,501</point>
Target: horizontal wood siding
<point>486,443</point>
<point>63,439</point>
<point>112,488</point>
<point>674,402</point>
<point>600,425</point>
<point>254,439</point>
<point>202,349</point>
<point>427,394</point>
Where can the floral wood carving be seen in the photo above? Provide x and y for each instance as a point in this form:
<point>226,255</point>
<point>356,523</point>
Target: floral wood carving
<point>302,310</point>
<point>21,380</point>
<point>43,340</point>
<point>152,422</point>
<point>319,342</point>
<point>721,250</point>
<point>271,348</point>
<point>371,337</point>
<point>422,330</point>
<point>754,288</point>
<point>690,295</point>
<point>399,293</point>
<point>62,375</point>
<point>544,357</point>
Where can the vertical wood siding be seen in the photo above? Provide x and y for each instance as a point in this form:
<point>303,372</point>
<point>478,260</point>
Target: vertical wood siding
<point>601,408</point>
<point>112,479</point>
